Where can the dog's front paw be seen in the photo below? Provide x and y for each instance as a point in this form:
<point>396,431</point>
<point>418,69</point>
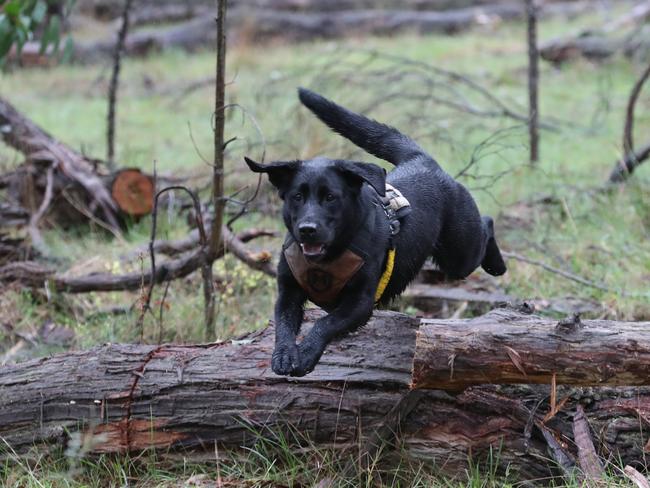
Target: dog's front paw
<point>285,359</point>
<point>309,355</point>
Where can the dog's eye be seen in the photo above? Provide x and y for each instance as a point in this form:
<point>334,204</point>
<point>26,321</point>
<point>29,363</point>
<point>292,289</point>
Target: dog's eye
<point>330,197</point>
<point>297,197</point>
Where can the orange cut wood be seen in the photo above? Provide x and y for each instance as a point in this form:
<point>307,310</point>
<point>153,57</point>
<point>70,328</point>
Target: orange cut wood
<point>133,192</point>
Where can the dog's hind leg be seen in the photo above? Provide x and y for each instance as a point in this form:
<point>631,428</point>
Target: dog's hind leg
<point>492,260</point>
<point>465,246</point>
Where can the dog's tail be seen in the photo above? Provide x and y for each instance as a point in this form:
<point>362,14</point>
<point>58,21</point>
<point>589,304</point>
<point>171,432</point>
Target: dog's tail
<point>378,139</point>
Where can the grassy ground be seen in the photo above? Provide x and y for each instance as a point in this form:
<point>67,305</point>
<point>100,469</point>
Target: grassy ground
<point>603,237</point>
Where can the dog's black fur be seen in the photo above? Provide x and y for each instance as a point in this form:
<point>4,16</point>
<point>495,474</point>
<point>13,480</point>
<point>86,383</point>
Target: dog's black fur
<point>327,201</point>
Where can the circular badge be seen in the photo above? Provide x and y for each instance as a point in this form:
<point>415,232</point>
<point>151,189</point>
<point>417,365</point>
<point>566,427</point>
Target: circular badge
<point>319,280</point>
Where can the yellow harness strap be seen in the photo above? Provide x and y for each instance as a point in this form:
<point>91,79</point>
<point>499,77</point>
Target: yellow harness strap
<point>385,277</point>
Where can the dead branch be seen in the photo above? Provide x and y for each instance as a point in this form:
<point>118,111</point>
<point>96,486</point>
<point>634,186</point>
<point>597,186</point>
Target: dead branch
<point>625,167</point>
<point>33,274</point>
<point>587,457</point>
<point>571,276</point>
<point>628,132</point>
<point>203,250</point>
<point>639,480</point>
<point>35,235</point>
<point>193,240</point>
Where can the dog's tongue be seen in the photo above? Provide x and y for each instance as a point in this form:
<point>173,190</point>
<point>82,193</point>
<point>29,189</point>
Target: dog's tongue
<point>311,248</point>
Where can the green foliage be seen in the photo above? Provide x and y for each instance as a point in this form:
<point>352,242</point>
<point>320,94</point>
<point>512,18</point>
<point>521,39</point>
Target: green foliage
<point>20,20</point>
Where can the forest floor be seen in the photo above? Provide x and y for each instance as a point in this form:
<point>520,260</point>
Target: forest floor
<point>601,236</point>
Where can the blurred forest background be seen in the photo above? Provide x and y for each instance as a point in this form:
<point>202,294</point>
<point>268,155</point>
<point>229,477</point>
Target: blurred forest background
<point>75,209</point>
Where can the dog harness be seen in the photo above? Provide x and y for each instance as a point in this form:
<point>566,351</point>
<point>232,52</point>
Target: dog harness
<point>324,281</point>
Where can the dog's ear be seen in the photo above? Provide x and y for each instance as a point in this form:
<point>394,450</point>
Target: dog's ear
<point>280,173</point>
<point>369,173</point>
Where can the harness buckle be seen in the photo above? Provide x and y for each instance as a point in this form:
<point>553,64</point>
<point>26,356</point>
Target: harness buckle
<point>391,215</point>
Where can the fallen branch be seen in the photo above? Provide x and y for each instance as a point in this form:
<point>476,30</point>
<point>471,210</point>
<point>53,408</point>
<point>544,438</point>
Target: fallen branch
<point>33,274</point>
<point>623,169</point>
<point>626,166</point>
<point>193,240</point>
<point>571,276</point>
<point>637,478</point>
<point>34,233</point>
<point>590,463</point>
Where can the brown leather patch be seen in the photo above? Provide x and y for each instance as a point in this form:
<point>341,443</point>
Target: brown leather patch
<point>322,281</point>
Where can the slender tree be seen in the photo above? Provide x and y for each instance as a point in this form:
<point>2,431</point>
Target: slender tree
<point>533,81</point>
<point>115,79</point>
<point>217,170</point>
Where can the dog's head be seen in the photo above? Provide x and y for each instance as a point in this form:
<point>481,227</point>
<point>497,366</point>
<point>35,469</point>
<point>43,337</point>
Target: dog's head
<point>322,200</point>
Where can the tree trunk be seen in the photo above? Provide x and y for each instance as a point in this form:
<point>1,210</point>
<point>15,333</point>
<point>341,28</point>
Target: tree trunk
<point>131,397</point>
<point>533,81</point>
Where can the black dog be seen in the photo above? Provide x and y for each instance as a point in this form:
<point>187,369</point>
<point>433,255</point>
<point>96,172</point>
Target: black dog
<point>343,249</point>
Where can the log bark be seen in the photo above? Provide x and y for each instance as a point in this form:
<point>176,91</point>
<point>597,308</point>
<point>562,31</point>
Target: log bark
<point>495,349</point>
<point>132,397</point>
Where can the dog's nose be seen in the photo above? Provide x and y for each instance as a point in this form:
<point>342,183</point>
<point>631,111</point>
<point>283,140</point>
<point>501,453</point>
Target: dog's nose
<point>307,230</point>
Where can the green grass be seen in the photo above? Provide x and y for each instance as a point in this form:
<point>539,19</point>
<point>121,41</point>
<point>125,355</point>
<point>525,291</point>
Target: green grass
<point>271,461</point>
<point>603,237</point>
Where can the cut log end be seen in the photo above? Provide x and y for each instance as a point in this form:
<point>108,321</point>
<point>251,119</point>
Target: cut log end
<point>133,192</point>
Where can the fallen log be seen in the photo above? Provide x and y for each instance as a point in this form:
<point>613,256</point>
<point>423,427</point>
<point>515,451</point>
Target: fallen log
<point>620,35</point>
<point>261,25</point>
<point>77,189</point>
<point>164,10</point>
<point>43,150</point>
<point>594,47</point>
<point>132,397</point>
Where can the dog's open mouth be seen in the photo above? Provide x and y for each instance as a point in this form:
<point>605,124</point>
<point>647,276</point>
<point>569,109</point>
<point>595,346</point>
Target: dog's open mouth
<point>312,250</point>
